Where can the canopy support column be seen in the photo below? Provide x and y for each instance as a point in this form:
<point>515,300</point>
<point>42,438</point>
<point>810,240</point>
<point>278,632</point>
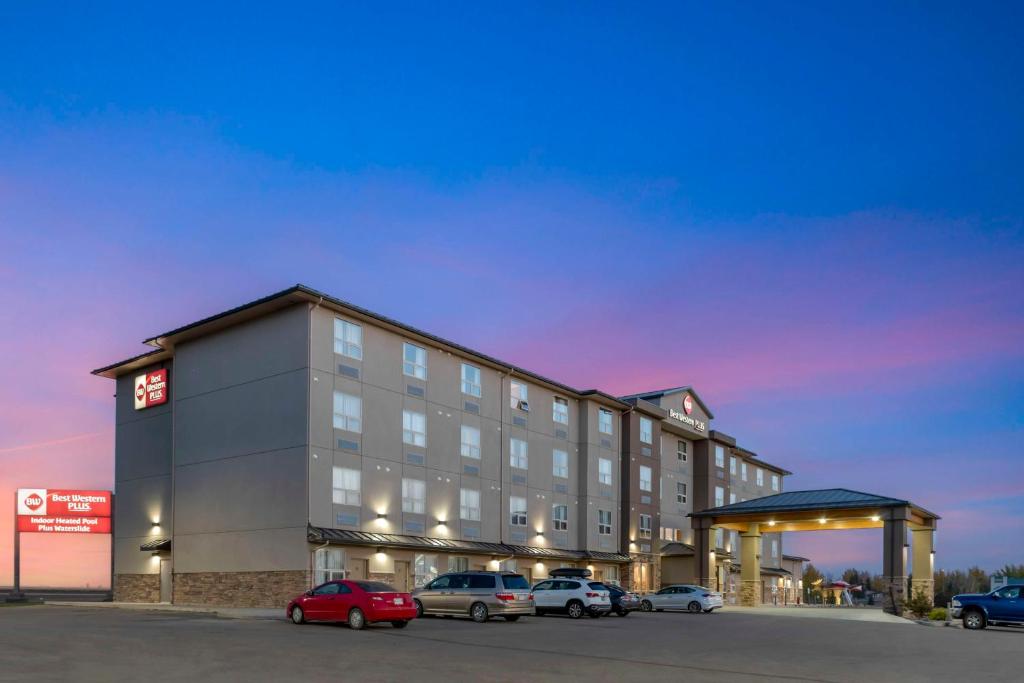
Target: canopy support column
<point>750,566</point>
<point>894,560</point>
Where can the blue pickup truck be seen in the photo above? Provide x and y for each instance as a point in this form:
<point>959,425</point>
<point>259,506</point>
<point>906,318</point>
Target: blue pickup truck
<point>978,610</point>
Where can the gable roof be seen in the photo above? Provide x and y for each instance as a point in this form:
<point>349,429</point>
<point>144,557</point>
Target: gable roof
<point>822,499</point>
<point>648,395</point>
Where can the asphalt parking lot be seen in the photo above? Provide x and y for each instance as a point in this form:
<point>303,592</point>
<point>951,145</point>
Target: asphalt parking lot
<point>46,643</point>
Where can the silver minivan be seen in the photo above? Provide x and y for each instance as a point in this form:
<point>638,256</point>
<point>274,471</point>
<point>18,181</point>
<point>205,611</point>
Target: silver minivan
<point>477,594</point>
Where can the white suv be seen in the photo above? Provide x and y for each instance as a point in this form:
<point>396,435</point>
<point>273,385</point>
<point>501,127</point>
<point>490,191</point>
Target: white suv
<point>575,597</point>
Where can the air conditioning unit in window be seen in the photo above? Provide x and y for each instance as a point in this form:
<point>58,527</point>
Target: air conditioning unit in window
<point>524,406</point>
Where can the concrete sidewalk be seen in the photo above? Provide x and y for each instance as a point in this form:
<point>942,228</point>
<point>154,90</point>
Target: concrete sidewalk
<point>840,613</point>
<point>225,612</point>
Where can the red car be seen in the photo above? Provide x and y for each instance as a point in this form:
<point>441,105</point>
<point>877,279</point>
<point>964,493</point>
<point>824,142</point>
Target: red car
<point>357,602</point>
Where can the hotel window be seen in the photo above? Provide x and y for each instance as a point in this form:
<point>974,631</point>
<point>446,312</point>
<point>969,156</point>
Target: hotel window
<point>414,496</point>
<point>681,492</point>
<point>519,454</point>
<point>348,339</point>
<point>668,533</point>
<point>732,465</point>
<point>347,490</point>
<point>519,394</point>
<point>775,548</point>
<point>470,442</point>
<point>604,522</point>
<point>604,421</point>
<point>759,473</point>
<point>424,569</point>
<point>458,564</point>
<point>681,451</point>
<point>517,508</point>
<point>719,539</point>
<point>469,505</point>
<point>646,430</point>
<point>414,428</point>
<point>414,361</point>
<point>645,526</point>
<point>719,496</point>
<point>775,482</point>
<point>645,478</point>
<point>732,498</point>
<point>471,380</point>
<point>348,412</point>
<point>560,410</point>
<point>560,463</point>
<point>604,471</point>
<point>329,565</point>
<point>719,456</point>
<point>743,471</point>
<point>560,517</point>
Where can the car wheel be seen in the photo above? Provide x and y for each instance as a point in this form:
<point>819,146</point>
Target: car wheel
<point>356,619</point>
<point>419,608</point>
<point>694,607</point>
<point>512,617</point>
<point>974,619</point>
<point>399,624</point>
<point>575,609</point>
<point>479,612</point>
<point>297,616</point>
<point>646,606</point>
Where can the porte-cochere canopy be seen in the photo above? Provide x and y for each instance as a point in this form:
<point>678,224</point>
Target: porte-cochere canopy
<point>820,510</point>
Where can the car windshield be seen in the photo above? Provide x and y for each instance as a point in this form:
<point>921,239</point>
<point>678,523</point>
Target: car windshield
<point>375,587</point>
<point>515,581</point>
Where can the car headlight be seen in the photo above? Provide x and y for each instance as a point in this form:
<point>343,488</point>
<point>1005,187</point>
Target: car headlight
<point>956,603</point>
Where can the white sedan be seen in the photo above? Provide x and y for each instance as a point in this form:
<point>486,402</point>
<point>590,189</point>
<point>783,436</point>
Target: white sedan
<point>682,596</point>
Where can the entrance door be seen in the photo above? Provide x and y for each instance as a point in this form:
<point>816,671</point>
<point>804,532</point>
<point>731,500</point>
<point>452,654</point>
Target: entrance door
<point>165,579</point>
<point>402,579</point>
<point>357,569</point>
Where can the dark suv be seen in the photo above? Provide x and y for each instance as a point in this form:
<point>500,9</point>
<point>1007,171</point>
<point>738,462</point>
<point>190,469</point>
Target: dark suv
<point>978,610</point>
<point>477,594</point>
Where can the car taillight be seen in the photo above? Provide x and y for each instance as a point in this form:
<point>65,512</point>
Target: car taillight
<point>593,595</point>
<point>505,597</point>
<point>531,596</point>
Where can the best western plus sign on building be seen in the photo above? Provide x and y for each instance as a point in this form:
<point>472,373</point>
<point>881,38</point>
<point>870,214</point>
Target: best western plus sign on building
<point>59,511</point>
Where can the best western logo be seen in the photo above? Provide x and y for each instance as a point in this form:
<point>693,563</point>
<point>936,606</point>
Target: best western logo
<point>34,502</point>
<point>151,389</point>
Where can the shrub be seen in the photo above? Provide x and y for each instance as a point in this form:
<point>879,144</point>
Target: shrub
<point>920,605</point>
<point>937,614</point>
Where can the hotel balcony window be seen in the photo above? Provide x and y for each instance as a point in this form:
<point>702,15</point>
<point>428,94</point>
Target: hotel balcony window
<point>681,492</point>
<point>743,471</point>
<point>519,396</point>
<point>560,463</point>
<point>604,471</point>
<point>348,412</point>
<point>719,496</point>
<point>775,482</point>
<point>347,490</point>
<point>519,454</point>
<point>469,505</point>
<point>681,451</point>
<point>604,421</point>
<point>719,457</point>
<point>348,339</point>
<point>560,410</point>
<point>732,465</point>
<point>414,428</point>
<point>645,478</point>
<point>560,517</point>
<point>759,473</point>
<point>646,431</point>
<point>517,510</point>
<point>604,522</point>
<point>414,496</point>
<point>645,526</point>
<point>470,442</point>
<point>414,361</point>
<point>471,380</point>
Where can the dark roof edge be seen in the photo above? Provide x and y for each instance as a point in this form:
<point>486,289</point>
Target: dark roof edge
<point>672,390</point>
<point>133,361</point>
<point>795,557</point>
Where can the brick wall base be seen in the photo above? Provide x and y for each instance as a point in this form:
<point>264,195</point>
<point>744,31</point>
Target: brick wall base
<point>750,593</point>
<point>240,589</point>
<point>895,595</point>
<point>136,588</point>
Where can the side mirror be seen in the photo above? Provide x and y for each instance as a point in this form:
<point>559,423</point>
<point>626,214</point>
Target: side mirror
<point>309,593</point>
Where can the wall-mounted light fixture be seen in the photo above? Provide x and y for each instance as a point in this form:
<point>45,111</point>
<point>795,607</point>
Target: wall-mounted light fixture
<point>155,525</point>
<point>441,522</point>
<point>382,515</point>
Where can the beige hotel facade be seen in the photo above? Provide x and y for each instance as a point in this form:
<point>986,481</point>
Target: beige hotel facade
<point>301,438</point>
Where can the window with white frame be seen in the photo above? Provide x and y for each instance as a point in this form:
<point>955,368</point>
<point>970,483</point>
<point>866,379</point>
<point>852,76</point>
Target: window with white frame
<point>646,430</point>
<point>645,478</point>
<point>458,564</point>
<point>560,410</point>
<point>645,526</point>
<point>519,454</point>
<point>668,533</point>
<point>414,496</point>
<point>732,465</point>
<point>681,451</point>
<point>775,482</point>
<point>348,339</point>
<point>517,511</point>
<point>743,471</point>
<point>604,522</point>
<point>348,412</point>
<point>604,421</point>
<point>414,428</point>
<point>559,463</point>
<point>328,565</point>
<point>759,474</point>
<point>604,471</point>
<point>519,395</point>
<point>559,517</point>
<point>424,569</point>
<point>719,496</point>
<point>470,447</point>
<point>471,380</point>
<point>469,505</point>
<point>719,456</point>
<point>681,492</point>
<point>347,486</point>
<point>414,360</point>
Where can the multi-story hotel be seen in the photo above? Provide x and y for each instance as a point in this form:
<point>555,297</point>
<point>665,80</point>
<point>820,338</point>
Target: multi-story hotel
<point>299,438</point>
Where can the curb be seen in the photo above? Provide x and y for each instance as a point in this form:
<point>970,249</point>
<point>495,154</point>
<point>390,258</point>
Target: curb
<point>222,612</point>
